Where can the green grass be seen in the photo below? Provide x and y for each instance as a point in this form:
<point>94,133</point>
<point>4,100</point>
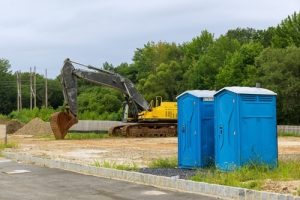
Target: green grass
<point>251,176</point>
<point>163,163</point>
<point>283,134</point>
<point>4,117</point>
<point>84,136</point>
<point>78,136</point>
<point>106,164</point>
<point>8,145</point>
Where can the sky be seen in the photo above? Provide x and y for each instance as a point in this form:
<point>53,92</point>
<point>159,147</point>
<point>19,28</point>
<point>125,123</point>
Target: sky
<point>43,33</point>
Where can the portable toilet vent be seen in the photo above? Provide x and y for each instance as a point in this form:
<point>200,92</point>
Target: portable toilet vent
<point>245,127</point>
<point>195,128</point>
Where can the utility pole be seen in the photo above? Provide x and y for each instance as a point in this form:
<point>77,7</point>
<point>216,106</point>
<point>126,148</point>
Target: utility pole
<point>46,89</point>
<point>31,89</point>
<point>18,91</point>
<point>20,85</point>
<point>34,86</point>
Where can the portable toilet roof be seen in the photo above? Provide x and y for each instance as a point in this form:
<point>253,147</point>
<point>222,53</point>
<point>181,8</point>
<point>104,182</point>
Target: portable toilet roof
<point>247,90</point>
<point>198,93</point>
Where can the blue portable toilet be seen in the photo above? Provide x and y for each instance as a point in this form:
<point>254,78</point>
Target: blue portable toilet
<point>245,127</point>
<point>195,128</point>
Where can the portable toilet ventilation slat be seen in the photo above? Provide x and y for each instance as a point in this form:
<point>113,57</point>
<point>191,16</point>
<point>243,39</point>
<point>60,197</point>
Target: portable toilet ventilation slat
<point>245,127</point>
<point>195,128</point>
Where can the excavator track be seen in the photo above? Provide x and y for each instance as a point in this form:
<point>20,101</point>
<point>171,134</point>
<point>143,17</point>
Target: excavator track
<point>145,130</point>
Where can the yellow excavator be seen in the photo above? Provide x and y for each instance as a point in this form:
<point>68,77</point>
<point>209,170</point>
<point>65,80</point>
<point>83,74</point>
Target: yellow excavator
<point>157,119</point>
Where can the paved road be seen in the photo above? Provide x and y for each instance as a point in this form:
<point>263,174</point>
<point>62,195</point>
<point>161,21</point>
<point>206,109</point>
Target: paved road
<point>54,184</point>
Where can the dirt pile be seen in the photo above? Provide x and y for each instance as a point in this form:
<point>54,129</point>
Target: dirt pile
<point>12,125</point>
<point>35,127</point>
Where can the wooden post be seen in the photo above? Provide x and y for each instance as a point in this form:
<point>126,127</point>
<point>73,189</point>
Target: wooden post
<point>46,89</point>
<point>18,91</point>
<point>20,84</point>
<point>31,90</point>
<point>3,133</point>
<point>34,86</point>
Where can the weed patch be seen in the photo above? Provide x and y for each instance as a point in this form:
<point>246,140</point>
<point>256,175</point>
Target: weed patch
<point>163,163</point>
<point>106,164</point>
<point>8,145</point>
<point>251,176</point>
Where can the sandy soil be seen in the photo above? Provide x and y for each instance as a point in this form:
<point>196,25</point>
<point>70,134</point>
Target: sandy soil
<point>119,150</point>
<point>114,150</point>
<point>289,145</point>
<point>286,187</point>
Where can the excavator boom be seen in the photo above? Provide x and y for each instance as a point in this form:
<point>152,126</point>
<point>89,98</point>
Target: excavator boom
<point>61,121</point>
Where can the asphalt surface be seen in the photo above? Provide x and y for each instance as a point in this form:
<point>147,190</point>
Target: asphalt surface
<point>53,184</point>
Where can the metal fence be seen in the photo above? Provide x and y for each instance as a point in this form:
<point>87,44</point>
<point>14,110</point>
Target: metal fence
<point>288,129</point>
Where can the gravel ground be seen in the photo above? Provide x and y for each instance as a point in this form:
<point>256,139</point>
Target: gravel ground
<point>170,172</point>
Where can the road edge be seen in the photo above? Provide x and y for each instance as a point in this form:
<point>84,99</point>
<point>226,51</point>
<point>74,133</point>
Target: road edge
<point>221,191</point>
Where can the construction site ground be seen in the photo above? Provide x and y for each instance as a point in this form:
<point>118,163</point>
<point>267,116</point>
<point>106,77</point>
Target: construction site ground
<point>139,151</point>
<point>129,151</point>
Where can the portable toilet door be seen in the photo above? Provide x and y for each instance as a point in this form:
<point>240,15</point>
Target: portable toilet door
<point>195,128</point>
<point>226,142</point>
<point>245,127</point>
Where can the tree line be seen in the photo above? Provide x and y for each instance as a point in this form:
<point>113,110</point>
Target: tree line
<point>240,57</point>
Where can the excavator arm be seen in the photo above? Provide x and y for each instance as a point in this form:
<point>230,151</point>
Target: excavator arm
<point>61,121</point>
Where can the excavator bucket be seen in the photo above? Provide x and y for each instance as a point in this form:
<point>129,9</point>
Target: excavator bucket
<point>60,123</point>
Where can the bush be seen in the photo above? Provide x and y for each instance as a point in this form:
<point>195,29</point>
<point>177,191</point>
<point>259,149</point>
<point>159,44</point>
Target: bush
<point>90,115</point>
<point>3,117</point>
<point>25,115</point>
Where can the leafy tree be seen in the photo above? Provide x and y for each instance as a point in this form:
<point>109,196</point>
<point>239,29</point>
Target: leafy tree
<point>280,72</point>
<point>244,35</point>
<point>55,95</point>
<point>287,33</point>
<point>203,74</point>
<point>8,89</point>
<point>147,59</point>
<point>196,48</point>
<point>107,66</point>
<point>266,36</point>
<point>166,82</point>
<point>239,68</point>
<point>100,101</point>
<point>128,71</point>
